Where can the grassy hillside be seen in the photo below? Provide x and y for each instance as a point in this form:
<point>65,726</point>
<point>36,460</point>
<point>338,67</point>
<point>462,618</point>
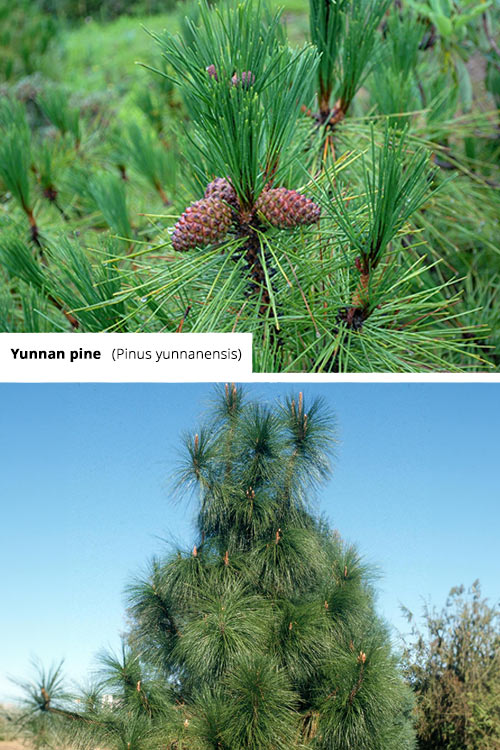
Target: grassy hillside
<point>99,56</point>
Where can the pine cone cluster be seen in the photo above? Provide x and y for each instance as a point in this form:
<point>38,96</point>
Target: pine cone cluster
<point>207,221</point>
<point>287,208</point>
<point>204,222</point>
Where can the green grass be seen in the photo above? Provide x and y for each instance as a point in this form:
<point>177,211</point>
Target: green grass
<point>103,56</point>
<point>100,56</point>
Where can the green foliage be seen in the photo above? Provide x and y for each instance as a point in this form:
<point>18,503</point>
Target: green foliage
<point>394,74</point>
<point>54,717</point>
<point>9,729</point>
<point>345,35</point>
<point>359,47</point>
<point>75,10</point>
<point>77,282</point>
<point>14,166</point>
<point>451,17</point>
<point>55,106</point>
<point>327,22</point>
<point>157,103</point>
<point>396,184</point>
<point>15,151</point>
<point>244,126</point>
<point>26,35</point>
<point>108,191</point>
<point>453,666</point>
<point>260,691</point>
<point>155,161</point>
<point>450,24</point>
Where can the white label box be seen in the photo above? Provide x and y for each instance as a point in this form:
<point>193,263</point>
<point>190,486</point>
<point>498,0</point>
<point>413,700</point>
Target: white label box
<point>124,357</point>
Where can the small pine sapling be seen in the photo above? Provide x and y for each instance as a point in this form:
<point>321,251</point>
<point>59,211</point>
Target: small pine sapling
<point>15,159</point>
<point>151,158</point>
<point>46,168</point>
<point>345,34</point>
<point>396,185</point>
<point>54,103</point>
<point>108,192</point>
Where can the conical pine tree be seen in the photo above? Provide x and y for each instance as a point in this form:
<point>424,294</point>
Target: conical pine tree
<point>267,627</point>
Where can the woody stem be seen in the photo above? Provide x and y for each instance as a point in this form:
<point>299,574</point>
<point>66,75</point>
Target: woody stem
<point>252,250</point>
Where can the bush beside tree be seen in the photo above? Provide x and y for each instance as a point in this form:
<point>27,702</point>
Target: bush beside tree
<point>453,666</point>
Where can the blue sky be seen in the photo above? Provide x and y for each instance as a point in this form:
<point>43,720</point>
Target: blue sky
<point>85,500</point>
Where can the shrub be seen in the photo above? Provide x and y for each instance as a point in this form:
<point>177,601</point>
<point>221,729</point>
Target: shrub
<point>453,666</point>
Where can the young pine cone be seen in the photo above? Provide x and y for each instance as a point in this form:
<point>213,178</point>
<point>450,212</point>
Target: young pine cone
<point>222,189</point>
<point>287,208</point>
<point>204,222</point>
<point>212,72</point>
<point>246,80</point>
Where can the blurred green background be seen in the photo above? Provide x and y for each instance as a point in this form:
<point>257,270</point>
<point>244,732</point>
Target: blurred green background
<point>91,44</point>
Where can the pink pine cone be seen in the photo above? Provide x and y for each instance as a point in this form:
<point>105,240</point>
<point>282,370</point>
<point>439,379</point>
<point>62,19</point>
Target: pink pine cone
<point>204,222</point>
<point>286,209</point>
